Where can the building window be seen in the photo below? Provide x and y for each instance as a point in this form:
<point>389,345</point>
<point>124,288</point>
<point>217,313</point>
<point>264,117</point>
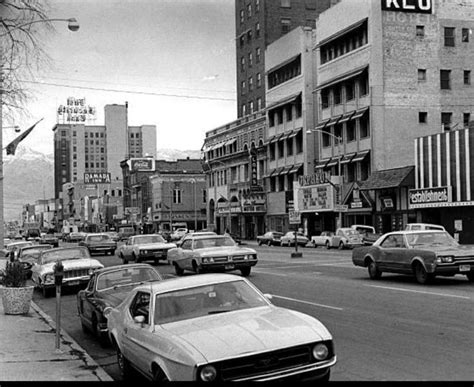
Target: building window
<point>349,91</point>
<point>242,64</point>
<point>257,5</point>
<point>350,131</point>
<point>364,85</point>
<point>364,126</point>
<point>259,80</point>
<point>242,41</point>
<point>465,34</point>
<point>249,11</point>
<point>285,25</point>
<point>258,54</point>
<point>279,116</point>
<point>259,103</point>
<point>250,83</point>
<point>310,4</point>
<point>289,147</point>
<point>422,117</point>
<point>420,31</point>
<point>337,95</point>
<point>311,23</point>
<point>74,133</point>
<point>285,3</point>
<point>242,16</point>
<point>466,117</point>
<point>289,111</point>
<point>449,37</point>
<point>177,193</point>
<point>249,36</point>
<point>299,142</point>
<point>325,98</point>
<point>242,87</point>
<point>445,78</point>
<point>467,77</point>
<point>421,75</point>
<point>251,107</point>
<point>244,110</point>
<point>271,149</point>
<point>271,118</point>
<point>257,30</point>
<point>250,59</point>
<point>281,149</point>
<point>446,119</point>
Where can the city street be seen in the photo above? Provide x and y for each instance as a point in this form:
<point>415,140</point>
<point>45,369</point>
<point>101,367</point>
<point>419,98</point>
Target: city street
<point>392,329</point>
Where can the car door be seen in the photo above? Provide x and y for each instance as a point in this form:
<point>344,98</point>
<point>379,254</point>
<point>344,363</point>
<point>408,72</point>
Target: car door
<point>392,253</point>
<point>86,305</point>
<point>136,335</point>
<point>187,254</point>
<point>337,238</point>
<point>127,249</point>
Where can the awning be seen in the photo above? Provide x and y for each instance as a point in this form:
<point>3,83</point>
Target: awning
<point>360,156</point>
<point>282,64</point>
<point>285,135</point>
<point>342,77</point>
<point>346,116</point>
<point>322,124</point>
<point>286,169</point>
<point>276,138</point>
<point>390,178</point>
<point>287,100</point>
<point>342,32</point>
<point>334,120</point>
<point>347,158</point>
<point>359,113</point>
<point>321,164</point>
<point>295,168</point>
<point>332,162</point>
<point>295,132</point>
<point>230,142</point>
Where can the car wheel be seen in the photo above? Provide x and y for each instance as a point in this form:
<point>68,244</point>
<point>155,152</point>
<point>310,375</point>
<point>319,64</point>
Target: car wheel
<point>269,243</point>
<point>96,331</point>
<point>260,243</point>
<point>159,375</point>
<point>123,364</point>
<point>178,270</point>
<point>341,245</point>
<point>328,246</point>
<point>46,292</point>
<point>470,276</point>
<point>196,268</point>
<point>124,261</point>
<point>245,271</point>
<point>422,277</point>
<point>374,271</point>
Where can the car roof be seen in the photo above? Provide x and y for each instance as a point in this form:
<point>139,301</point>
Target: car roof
<point>411,232</point>
<point>68,248</point>
<point>128,266</point>
<point>187,282</point>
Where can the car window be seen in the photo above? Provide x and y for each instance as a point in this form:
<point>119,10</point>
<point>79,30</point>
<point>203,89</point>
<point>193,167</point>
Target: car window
<point>141,306</point>
<point>90,285</point>
<point>54,255</point>
<point>216,242</point>
<point>125,277</point>
<point>149,239</point>
<point>431,239</point>
<point>187,244</point>
<point>98,238</point>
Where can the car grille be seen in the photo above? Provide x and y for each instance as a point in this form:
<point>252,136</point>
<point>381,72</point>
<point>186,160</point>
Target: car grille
<point>220,259</point>
<point>265,363</point>
<point>76,273</point>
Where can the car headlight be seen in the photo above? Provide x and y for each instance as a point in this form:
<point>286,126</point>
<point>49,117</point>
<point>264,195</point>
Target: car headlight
<point>320,351</point>
<point>207,260</point>
<point>447,259</point>
<point>208,373</point>
<point>143,252</point>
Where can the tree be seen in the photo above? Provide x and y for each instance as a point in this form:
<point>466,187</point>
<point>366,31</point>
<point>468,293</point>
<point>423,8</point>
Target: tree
<point>22,25</point>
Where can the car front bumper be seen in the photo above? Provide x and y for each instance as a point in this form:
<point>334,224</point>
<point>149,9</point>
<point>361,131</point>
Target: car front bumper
<point>227,266</point>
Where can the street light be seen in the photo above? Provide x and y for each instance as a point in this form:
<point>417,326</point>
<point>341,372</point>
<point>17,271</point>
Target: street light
<point>339,186</point>
<point>73,25</point>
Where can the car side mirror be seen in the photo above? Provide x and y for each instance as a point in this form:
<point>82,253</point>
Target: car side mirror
<point>268,296</point>
<point>139,319</point>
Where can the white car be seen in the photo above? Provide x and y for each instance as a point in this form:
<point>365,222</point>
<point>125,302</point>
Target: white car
<point>423,226</point>
<point>216,327</point>
<point>177,234</point>
<point>324,239</point>
<point>346,237</point>
<point>289,239</point>
<point>145,247</point>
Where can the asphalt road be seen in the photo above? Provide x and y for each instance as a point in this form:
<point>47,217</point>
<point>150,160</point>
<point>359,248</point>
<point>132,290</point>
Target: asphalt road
<point>392,329</point>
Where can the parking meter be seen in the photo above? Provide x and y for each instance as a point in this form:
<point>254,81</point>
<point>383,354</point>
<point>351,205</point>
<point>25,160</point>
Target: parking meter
<point>58,273</point>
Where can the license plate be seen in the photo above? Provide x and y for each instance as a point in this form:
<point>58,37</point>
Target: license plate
<point>158,254</point>
<point>229,267</point>
<point>73,283</point>
<point>464,267</point>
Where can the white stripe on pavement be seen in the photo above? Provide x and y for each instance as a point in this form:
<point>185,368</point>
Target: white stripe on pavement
<point>419,291</point>
<point>307,302</point>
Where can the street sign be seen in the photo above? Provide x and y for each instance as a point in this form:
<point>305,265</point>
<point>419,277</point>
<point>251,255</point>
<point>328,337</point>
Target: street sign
<point>341,207</point>
<point>295,217</point>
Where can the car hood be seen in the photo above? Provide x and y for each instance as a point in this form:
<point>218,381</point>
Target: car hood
<point>257,329</point>
<point>235,250</point>
<point>449,250</point>
<point>157,245</point>
<point>72,264</point>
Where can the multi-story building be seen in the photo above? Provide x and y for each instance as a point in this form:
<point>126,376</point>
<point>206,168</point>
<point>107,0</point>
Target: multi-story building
<point>387,73</point>
<point>97,150</point>
<point>259,23</point>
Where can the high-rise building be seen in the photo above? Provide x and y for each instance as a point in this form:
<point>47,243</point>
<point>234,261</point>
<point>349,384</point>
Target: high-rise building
<point>259,23</point>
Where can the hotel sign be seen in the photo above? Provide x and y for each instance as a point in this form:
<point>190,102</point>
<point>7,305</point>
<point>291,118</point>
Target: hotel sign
<point>430,197</point>
<point>75,110</point>
<point>418,6</point>
<point>97,178</point>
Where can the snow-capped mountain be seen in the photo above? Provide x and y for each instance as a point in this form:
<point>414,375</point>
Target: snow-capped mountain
<point>29,176</point>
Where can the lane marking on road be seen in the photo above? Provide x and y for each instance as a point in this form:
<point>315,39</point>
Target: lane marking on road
<point>419,291</point>
<point>307,302</point>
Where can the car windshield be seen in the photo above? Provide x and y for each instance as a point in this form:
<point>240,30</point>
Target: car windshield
<point>126,277</point>
<point>201,301</point>
<point>63,254</point>
<point>203,243</point>
<point>98,238</point>
<point>431,239</point>
<point>350,232</point>
<point>33,252</point>
<point>148,239</point>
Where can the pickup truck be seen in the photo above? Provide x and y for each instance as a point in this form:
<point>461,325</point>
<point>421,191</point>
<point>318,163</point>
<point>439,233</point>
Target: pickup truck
<point>369,236</point>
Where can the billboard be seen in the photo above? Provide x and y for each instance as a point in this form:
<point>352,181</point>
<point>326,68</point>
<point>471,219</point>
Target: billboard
<point>97,178</point>
<point>430,197</point>
<point>418,6</point>
<point>142,164</point>
<point>75,110</point>
<point>314,198</point>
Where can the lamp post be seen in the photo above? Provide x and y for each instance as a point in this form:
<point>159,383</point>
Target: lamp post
<point>339,171</point>
<point>73,25</point>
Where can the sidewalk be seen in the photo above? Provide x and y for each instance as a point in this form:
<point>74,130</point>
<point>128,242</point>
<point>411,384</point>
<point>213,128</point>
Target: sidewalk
<point>28,351</point>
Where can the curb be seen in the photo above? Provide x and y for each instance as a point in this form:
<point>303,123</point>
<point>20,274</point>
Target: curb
<point>75,347</point>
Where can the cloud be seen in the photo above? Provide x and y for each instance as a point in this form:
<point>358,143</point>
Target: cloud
<point>210,78</point>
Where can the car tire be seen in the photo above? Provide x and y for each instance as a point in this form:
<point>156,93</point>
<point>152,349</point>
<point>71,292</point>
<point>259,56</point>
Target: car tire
<point>135,258</point>
<point>124,261</point>
<point>374,271</point>
<point>422,277</point>
<point>46,292</point>
<point>158,375</point>
<point>123,364</point>
<point>245,271</point>
<point>470,276</point>
<point>328,246</point>
<point>96,331</point>
<point>196,268</point>
<point>260,243</point>
<point>269,243</point>
<point>341,245</point>
<point>178,270</point>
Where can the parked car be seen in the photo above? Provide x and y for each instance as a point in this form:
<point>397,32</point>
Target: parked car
<point>125,232</point>
<point>29,255</point>
<point>289,239</point>
<point>75,237</point>
<point>423,226</point>
<point>147,247</point>
<point>49,239</point>
<point>108,287</point>
<point>346,237</point>
<point>369,236</point>
<point>212,253</point>
<point>99,243</point>
<point>177,234</point>
<point>113,235</point>
<point>324,239</point>
<point>270,238</point>
<point>190,234</point>
<point>13,247</point>
<point>216,327</point>
<point>424,254</point>
<point>78,267</point>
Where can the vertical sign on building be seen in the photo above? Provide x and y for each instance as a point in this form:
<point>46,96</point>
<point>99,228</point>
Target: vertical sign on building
<point>253,166</point>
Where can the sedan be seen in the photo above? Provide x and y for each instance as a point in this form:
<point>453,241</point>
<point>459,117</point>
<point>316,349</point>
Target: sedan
<point>144,248</point>
<point>212,253</point>
<point>324,239</point>
<point>99,243</point>
<point>29,255</point>
<point>216,327</point>
<point>270,238</point>
<point>423,254</point>
<point>289,239</point>
<point>49,239</point>
<point>108,287</point>
<point>78,267</point>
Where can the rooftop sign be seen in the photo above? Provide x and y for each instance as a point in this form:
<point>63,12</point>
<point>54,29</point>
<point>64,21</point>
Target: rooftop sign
<point>418,6</point>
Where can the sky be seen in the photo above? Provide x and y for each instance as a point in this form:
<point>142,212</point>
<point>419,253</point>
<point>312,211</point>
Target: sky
<point>173,61</point>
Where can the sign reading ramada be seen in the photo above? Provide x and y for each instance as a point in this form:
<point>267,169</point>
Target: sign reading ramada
<point>418,6</point>
<point>430,197</point>
<point>142,164</point>
<point>97,178</point>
